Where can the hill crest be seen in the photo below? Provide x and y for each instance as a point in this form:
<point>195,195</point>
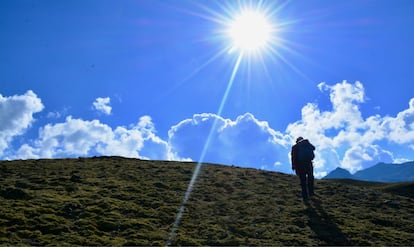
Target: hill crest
<point>119,201</point>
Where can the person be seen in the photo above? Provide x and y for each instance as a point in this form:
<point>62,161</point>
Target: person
<point>303,166</point>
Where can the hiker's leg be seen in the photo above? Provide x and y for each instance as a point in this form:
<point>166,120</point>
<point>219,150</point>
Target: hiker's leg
<point>303,185</point>
<point>311,180</point>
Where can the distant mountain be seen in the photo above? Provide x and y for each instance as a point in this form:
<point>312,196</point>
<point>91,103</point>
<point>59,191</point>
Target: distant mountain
<point>339,173</point>
<point>381,172</point>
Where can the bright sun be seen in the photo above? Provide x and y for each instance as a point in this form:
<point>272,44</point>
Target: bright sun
<point>249,31</point>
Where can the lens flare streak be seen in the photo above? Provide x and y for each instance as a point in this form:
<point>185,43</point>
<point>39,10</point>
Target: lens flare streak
<point>203,153</point>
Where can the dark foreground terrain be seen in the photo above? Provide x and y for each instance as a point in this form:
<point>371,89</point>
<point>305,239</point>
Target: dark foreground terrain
<point>118,201</point>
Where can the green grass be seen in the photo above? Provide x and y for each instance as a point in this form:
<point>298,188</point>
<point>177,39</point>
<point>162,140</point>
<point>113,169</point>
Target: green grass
<point>118,201</point>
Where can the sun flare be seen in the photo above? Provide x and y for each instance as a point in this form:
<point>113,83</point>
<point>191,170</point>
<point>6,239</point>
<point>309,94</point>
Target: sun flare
<point>250,34</point>
<point>249,31</point>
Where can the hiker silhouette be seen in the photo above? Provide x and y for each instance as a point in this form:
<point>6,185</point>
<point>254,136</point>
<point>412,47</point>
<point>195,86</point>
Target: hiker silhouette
<point>301,158</point>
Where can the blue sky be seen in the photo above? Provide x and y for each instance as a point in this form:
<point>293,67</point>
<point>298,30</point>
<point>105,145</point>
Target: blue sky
<point>148,79</point>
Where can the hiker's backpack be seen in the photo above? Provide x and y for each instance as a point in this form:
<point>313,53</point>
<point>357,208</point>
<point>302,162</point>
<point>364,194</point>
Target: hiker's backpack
<point>305,152</point>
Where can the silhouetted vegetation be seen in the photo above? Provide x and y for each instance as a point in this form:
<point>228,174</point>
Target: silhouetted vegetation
<point>119,201</point>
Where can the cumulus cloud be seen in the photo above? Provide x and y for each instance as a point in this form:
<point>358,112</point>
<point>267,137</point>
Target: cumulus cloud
<point>401,128</point>
<point>344,120</point>
<point>102,105</point>
<point>245,141</point>
<point>342,135</point>
<point>357,157</point>
<point>77,137</point>
<point>16,116</point>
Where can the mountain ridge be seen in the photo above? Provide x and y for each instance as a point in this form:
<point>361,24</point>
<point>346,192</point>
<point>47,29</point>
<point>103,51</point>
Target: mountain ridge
<point>381,172</point>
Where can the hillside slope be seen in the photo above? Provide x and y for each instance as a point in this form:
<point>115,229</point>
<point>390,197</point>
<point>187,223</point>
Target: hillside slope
<point>118,201</point>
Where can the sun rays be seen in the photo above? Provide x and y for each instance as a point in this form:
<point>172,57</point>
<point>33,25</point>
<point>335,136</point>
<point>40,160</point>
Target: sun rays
<point>249,32</point>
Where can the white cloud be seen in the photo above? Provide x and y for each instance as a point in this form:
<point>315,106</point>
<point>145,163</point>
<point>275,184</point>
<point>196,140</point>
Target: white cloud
<point>54,114</point>
<point>245,141</point>
<point>401,128</point>
<point>102,105</point>
<point>16,115</point>
<point>358,157</point>
<point>58,114</point>
<point>342,136</point>
<point>77,137</point>
<point>320,174</point>
<point>336,127</point>
<point>340,130</point>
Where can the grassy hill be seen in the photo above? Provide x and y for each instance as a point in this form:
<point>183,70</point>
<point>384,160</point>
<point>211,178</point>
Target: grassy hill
<point>118,201</point>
